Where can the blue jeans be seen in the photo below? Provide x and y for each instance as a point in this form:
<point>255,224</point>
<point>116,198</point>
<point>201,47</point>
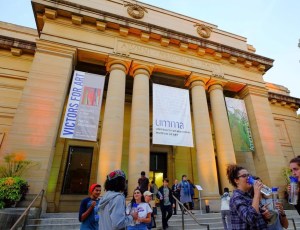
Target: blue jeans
<point>226,222</point>
<point>141,226</point>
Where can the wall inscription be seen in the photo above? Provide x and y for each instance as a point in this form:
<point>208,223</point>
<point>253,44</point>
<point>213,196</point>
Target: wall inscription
<point>126,48</point>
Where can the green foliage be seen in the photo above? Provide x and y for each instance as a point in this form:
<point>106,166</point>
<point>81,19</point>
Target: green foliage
<point>286,173</point>
<point>12,190</point>
<point>14,165</point>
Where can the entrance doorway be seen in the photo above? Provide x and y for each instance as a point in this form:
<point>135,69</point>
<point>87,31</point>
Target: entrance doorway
<point>158,167</point>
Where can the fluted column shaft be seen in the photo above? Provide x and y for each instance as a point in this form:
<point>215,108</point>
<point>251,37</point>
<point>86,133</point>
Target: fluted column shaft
<point>139,145</point>
<point>206,163</point>
<point>113,121</point>
<point>224,144</point>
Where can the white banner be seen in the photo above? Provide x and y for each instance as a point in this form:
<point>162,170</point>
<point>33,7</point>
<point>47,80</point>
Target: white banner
<point>83,110</point>
<point>171,116</point>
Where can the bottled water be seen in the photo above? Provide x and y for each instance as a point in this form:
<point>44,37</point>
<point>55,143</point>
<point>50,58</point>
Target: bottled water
<point>293,196</point>
<point>275,197</point>
<point>264,190</point>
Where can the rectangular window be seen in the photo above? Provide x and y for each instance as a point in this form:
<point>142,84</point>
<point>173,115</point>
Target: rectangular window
<point>78,169</point>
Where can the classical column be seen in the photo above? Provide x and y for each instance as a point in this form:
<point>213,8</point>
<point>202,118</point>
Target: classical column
<point>110,155</point>
<point>268,157</point>
<point>37,119</point>
<point>206,163</point>
<point>225,149</point>
<point>139,143</point>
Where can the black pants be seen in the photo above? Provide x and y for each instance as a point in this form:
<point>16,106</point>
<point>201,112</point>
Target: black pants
<point>166,213</point>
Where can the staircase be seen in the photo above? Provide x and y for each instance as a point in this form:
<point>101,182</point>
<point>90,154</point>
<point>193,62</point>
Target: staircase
<point>66,221</point>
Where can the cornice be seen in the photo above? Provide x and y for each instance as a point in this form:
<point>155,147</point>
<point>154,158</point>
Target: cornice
<point>183,41</point>
<point>14,43</point>
<point>284,100</point>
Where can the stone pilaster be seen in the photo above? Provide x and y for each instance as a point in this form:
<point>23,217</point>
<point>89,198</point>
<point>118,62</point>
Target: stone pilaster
<point>113,121</point>
<point>139,144</point>
<point>38,116</point>
<point>268,157</point>
<point>224,144</point>
<point>206,162</point>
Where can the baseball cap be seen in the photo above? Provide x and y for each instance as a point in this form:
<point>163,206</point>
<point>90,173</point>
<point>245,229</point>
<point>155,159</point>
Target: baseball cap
<point>147,193</point>
<point>115,174</point>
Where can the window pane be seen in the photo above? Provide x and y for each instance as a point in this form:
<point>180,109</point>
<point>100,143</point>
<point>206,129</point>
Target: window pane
<point>78,168</point>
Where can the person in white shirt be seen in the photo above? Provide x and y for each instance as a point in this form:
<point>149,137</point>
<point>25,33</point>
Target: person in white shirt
<point>225,211</point>
<point>138,204</point>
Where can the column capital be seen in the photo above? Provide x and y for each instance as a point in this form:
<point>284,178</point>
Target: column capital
<point>138,67</point>
<point>118,63</point>
<point>197,79</point>
<point>216,83</point>
<point>253,90</point>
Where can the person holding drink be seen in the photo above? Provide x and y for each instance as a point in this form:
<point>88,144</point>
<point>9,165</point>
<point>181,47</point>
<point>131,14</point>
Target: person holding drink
<point>293,188</point>
<point>245,210</point>
<point>138,205</point>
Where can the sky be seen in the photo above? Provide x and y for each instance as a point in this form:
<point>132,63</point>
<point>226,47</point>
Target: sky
<point>271,26</point>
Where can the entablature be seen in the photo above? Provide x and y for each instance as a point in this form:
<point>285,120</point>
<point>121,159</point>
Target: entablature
<point>125,26</point>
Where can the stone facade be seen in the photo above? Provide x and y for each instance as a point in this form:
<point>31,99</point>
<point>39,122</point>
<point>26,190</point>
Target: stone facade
<point>135,45</point>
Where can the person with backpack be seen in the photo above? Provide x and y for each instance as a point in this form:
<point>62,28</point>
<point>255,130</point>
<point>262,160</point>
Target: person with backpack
<point>225,211</point>
<point>112,205</point>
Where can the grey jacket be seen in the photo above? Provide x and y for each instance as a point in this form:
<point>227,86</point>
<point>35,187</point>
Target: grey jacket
<point>112,212</point>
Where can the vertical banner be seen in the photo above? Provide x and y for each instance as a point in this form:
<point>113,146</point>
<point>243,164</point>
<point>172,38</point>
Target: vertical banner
<point>83,109</point>
<point>239,125</point>
<point>171,116</point>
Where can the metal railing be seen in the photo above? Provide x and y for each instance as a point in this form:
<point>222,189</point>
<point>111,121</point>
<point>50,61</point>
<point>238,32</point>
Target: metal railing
<point>183,210</point>
<point>21,222</point>
<point>294,224</point>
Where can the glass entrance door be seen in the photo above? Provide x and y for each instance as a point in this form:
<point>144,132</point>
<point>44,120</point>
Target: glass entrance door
<point>158,167</point>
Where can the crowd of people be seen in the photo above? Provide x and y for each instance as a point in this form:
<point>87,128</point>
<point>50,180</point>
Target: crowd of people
<point>111,211</point>
<point>247,208</point>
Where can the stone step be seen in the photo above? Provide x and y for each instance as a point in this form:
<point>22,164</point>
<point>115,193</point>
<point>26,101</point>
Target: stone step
<point>64,221</point>
<point>53,227</point>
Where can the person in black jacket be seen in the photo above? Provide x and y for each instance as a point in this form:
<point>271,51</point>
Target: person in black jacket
<point>176,193</point>
<point>166,202</point>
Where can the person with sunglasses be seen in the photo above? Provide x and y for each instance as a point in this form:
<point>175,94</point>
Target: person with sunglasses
<point>139,206</point>
<point>245,210</point>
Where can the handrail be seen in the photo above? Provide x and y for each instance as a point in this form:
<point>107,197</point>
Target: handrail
<point>294,224</point>
<point>23,218</point>
<point>191,215</point>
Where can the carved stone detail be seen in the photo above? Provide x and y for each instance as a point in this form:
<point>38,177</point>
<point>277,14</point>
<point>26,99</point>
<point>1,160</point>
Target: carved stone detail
<point>203,30</point>
<point>136,11</point>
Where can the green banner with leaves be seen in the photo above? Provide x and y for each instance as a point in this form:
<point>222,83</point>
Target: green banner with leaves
<point>239,125</point>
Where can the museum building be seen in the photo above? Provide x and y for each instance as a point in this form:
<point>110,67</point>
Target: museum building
<point>136,45</point>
